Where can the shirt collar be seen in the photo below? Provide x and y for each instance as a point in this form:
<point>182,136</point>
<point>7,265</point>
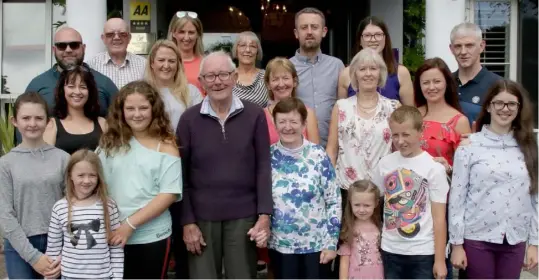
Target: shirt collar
<point>108,59</point>
<point>476,79</point>
<point>206,109</point>
<point>302,58</point>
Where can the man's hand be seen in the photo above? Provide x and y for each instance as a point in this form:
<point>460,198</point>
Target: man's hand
<point>260,232</point>
<point>194,241</point>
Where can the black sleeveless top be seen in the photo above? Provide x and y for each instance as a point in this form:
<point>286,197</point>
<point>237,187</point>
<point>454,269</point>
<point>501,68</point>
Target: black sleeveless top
<point>73,142</point>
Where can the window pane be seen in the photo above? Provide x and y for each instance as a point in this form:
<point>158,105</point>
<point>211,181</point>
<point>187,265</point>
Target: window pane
<point>494,19</point>
<point>23,45</point>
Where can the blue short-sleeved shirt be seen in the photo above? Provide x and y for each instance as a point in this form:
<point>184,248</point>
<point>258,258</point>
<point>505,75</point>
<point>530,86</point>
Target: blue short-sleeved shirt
<point>472,94</point>
<point>135,178</point>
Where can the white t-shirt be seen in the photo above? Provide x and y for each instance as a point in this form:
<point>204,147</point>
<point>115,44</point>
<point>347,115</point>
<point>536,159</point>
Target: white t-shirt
<point>409,186</point>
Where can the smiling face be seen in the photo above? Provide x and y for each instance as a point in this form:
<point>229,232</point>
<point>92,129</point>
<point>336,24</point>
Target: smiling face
<point>85,178</point>
<point>165,65</point>
<point>247,50</point>
<point>433,85</point>
<point>186,36</point>
<point>373,37</point>
<point>116,36</point>
<point>368,76</point>
<point>406,137</point>
<point>281,84</point>
<point>503,109</point>
<point>76,92</point>
<point>218,77</point>
<point>137,112</point>
<point>290,127</point>
<point>31,121</point>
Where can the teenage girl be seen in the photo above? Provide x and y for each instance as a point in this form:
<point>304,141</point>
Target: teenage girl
<point>31,181</point>
<point>81,224</point>
<point>360,235</point>
<point>493,198</point>
<point>143,172</point>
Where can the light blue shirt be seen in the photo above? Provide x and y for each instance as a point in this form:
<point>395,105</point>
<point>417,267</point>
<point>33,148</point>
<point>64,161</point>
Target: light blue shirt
<point>317,88</point>
<point>136,177</point>
<point>490,192</point>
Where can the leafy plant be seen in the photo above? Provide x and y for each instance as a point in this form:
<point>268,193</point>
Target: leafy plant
<point>413,29</point>
<point>7,132</point>
<point>225,46</point>
<point>4,88</point>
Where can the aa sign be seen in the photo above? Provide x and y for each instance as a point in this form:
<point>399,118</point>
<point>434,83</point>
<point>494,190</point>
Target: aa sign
<point>140,11</point>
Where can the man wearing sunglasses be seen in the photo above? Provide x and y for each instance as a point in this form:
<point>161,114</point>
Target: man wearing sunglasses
<point>69,52</point>
<point>121,66</point>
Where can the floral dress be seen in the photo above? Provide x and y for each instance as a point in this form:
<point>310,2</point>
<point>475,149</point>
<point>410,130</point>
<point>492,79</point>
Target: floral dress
<point>362,142</point>
<point>306,201</point>
<point>364,252</point>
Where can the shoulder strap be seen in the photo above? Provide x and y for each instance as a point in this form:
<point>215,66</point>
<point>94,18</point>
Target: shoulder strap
<point>453,121</point>
<point>158,146</point>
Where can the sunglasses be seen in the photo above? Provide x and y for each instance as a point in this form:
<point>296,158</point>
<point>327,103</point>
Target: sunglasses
<point>186,14</point>
<point>62,46</point>
<point>121,35</point>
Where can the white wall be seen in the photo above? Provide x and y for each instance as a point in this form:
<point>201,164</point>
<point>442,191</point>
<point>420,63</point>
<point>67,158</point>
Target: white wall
<point>391,12</point>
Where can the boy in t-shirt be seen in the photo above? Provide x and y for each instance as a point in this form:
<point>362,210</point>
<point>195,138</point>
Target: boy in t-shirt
<point>415,192</point>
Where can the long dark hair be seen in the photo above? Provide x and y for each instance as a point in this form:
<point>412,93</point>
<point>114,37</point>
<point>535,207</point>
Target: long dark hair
<point>522,124</point>
<point>91,107</point>
<point>387,52</point>
<point>451,93</point>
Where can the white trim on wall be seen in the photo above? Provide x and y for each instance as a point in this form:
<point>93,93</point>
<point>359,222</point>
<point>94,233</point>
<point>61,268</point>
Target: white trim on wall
<point>48,33</point>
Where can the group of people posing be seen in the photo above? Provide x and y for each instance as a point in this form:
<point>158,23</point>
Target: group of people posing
<point>314,169</point>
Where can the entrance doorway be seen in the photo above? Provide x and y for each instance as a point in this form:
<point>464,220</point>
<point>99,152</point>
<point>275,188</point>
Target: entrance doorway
<point>273,22</point>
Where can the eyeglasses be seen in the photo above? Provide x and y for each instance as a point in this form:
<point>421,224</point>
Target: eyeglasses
<point>62,46</point>
<point>183,14</point>
<point>121,35</point>
<point>376,36</point>
<point>75,67</point>
<point>223,76</point>
<point>499,105</point>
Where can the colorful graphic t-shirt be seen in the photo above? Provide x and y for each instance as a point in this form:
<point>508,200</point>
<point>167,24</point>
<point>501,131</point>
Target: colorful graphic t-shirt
<point>409,186</point>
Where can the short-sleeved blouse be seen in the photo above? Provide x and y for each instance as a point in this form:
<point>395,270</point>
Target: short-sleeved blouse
<point>441,139</point>
<point>364,252</point>
<point>136,177</point>
<point>257,92</point>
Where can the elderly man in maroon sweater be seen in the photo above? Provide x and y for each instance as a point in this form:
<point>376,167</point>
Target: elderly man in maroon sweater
<point>224,145</point>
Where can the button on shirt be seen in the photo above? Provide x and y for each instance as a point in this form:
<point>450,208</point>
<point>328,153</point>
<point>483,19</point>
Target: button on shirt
<point>132,69</point>
<point>490,196</point>
<point>318,81</point>
<point>473,93</point>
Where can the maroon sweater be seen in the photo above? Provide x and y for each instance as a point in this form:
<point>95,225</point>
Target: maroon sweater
<point>226,170</point>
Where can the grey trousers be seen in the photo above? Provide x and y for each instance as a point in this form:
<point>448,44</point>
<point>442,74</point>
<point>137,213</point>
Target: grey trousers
<point>227,243</point>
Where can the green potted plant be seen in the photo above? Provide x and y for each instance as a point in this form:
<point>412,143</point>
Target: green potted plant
<point>7,132</point>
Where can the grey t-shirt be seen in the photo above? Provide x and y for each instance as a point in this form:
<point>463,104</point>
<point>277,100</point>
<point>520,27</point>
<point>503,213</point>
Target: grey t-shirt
<point>31,181</point>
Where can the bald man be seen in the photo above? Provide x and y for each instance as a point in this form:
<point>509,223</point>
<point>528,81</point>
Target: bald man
<point>68,51</point>
<point>117,63</point>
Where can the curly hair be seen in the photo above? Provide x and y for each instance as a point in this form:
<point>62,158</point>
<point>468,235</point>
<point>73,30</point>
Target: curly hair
<point>91,107</point>
<point>117,137</point>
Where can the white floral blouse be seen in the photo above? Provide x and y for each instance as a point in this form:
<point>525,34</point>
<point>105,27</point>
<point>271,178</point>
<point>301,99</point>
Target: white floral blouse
<point>362,142</point>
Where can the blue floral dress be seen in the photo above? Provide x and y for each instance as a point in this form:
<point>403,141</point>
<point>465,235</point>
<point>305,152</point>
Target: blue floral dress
<point>306,200</point>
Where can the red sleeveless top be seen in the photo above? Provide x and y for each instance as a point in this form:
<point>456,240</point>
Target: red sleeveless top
<point>441,139</point>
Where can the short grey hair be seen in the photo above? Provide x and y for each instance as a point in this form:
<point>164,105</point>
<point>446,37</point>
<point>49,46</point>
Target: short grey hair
<point>367,56</point>
<point>251,36</point>
<point>466,29</point>
<point>218,53</point>
<point>309,10</point>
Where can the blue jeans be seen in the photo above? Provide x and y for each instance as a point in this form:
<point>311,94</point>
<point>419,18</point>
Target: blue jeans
<point>17,267</point>
<point>407,267</point>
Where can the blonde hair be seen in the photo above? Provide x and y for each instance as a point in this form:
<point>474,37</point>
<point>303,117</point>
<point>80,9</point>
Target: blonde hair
<point>250,36</point>
<point>365,56</point>
<point>180,88</point>
<point>276,64</point>
<point>100,189</point>
<point>178,23</point>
